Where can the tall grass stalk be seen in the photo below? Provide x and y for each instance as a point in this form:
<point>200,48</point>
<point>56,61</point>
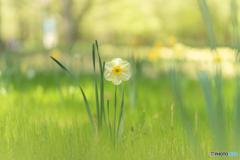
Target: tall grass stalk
<point>172,117</point>
<point>136,65</point>
<point>96,88</point>
<point>172,125</point>
<point>235,34</point>
<point>196,120</point>
<point>184,116</point>
<point>207,18</point>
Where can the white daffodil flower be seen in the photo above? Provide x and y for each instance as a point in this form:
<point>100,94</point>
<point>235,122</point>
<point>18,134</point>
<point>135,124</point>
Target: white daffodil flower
<point>117,71</point>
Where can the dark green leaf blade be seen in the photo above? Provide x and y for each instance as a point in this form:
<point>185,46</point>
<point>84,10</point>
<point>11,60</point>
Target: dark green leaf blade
<point>83,94</point>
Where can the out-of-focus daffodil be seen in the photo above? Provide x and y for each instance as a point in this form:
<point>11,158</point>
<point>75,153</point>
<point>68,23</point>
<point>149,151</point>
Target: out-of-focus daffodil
<point>217,58</point>
<point>136,42</point>
<point>137,54</point>
<point>117,71</point>
<point>158,45</point>
<point>171,41</point>
<point>153,55</point>
<point>178,49</point>
<point>56,54</point>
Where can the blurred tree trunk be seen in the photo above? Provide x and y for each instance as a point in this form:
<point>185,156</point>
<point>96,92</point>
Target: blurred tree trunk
<point>2,46</point>
<point>71,21</point>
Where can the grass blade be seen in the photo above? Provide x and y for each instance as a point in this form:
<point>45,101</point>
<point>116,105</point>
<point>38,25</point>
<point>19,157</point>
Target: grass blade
<point>185,118</point>
<point>234,18</point>
<point>208,22</point>
<point>101,85</point>
<point>121,127</point>
<point>121,109</point>
<point>236,113</point>
<point>84,97</point>
<point>96,89</point>
<point>215,125</point>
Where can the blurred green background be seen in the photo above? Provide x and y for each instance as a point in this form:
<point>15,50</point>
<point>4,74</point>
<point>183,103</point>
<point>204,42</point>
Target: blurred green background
<point>132,23</point>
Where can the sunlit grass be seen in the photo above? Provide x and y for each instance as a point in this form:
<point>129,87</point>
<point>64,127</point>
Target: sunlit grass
<point>35,125</point>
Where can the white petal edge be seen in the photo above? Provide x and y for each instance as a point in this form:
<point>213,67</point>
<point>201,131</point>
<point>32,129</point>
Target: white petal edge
<point>117,61</point>
<point>110,65</point>
<point>117,80</point>
<point>124,65</point>
<point>125,75</point>
<point>109,75</point>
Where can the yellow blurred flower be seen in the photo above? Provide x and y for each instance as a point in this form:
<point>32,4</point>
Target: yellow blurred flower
<point>217,58</point>
<point>56,54</point>
<point>158,45</point>
<point>178,49</point>
<point>153,55</point>
<point>136,54</point>
<point>136,42</point>
<point>171,41</point>
<point>117,71</point>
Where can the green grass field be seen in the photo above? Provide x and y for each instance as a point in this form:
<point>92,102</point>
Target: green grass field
<point>39,123</point>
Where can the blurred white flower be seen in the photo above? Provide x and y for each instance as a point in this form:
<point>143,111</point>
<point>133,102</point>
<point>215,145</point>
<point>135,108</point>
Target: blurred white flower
<point>76,55</point>
<point>3,91</point>
<point>73,90</point>
<point>117,71</point>
<point>30,73</point>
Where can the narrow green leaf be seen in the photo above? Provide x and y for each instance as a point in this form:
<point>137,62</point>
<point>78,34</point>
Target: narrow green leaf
<point>96,88</point>
<point>208,97</point>
<point>121,127</point>
<point>220,112</point>
<point>208,22</point>
<point>236,113</point>
<point>101,85</point>
<point>83,94</point>
<point>235,34</point>
<point>184,116</point>
<point>216,128</point>
<point>121,109</point>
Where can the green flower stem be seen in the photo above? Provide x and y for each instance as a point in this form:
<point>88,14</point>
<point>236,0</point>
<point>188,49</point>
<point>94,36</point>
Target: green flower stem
<point>115,108</point>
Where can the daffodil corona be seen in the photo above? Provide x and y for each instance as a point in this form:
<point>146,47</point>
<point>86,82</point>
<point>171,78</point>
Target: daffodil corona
<point>117,71</point>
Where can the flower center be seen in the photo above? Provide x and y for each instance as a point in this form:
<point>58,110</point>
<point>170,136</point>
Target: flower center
<point>117,70</point>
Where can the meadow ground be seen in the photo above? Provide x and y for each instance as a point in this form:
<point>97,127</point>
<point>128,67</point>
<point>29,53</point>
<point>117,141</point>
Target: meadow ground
<point>39,122</point>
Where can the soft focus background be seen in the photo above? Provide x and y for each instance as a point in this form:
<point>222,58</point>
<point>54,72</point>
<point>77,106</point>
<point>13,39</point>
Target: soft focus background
<point>34,24</point>
<point>42,112</point>
<point>148,29</point>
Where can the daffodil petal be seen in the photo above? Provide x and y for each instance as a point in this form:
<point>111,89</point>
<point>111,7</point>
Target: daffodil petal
<point>117,61</point>
<point>110,65</point>
<point>109,75</point>
<point>124,65</point>
<point>117,80</point>
<point>125,76</point>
